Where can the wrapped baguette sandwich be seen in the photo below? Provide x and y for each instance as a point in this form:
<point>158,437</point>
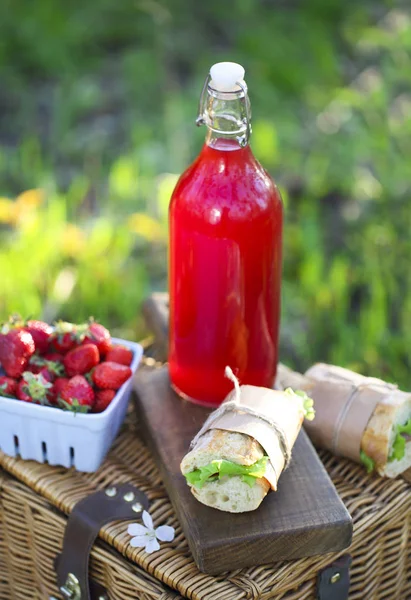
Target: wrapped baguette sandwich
<point>243,447</point>
<point>362,418</point>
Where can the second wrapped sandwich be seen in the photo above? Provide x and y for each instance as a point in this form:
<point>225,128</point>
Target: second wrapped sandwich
<point>363,418</point>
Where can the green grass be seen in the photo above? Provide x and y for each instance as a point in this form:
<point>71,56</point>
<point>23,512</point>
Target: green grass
<point>97,109</point>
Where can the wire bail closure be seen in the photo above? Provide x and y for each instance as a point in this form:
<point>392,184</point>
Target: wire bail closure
<point>200,120</point>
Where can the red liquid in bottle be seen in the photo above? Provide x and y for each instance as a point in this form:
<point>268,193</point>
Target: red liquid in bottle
<point>225,272</point>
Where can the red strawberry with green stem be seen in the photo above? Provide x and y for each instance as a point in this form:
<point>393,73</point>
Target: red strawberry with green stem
<point>38,363</point>
<point>110,375</point>
<point>39,330</point>
<point>120,354</point>
<point>40,333</point>
<point>97,334</point>
<point>8,387</point>
<point>103,400</point>
<point>58,386</point>
<point>64,337</point>
<point>16,347</point>
<point>35,389</point>
<point>77,395</point>
<point>47,374</point>
<point>81,359</point>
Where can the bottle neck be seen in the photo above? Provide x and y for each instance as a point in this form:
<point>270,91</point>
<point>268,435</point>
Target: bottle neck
<point>227,116</point>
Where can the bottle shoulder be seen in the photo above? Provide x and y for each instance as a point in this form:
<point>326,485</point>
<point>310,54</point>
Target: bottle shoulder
<point>227,180</point>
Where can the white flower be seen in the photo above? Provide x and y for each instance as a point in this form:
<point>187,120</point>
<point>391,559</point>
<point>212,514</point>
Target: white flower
<point>146,537</point>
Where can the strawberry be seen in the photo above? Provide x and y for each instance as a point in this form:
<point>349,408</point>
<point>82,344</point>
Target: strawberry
<point>120,354</point>
<point>54,357</point>
<point>34,388</point>
<point>89,377</point>
<point>77,395</point>
<point>103,399</point>
<point>97,334</point>
<point>47,374</point>
<point>81,359</point>
<point>39,363</point>
<point>8,387</point>
<point>58,386</point>
<point>39,330</point>
<point>40,333</point>
<point>110,375</point>
<point>16,347</point>
<point>65,337</point>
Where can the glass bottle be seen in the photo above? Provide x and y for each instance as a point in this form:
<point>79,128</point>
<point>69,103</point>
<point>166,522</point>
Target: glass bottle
<point>225,221</point>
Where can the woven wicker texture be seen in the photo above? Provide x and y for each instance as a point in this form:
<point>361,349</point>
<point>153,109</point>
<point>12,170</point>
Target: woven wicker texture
<point>31,531</point>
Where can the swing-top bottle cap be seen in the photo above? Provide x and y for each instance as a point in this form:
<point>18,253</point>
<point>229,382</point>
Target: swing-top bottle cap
<point>225,77</point>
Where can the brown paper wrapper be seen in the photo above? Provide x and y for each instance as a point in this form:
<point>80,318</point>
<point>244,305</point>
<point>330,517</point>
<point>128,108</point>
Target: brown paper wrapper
<point>344,402</point>
<point>281,408</point>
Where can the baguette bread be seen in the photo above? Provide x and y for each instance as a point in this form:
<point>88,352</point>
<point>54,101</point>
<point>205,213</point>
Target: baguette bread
<point>378,438</point>
<point>244,445</point>
<point>229,494</point>
<point>379,433</point>
<point>232,495</point>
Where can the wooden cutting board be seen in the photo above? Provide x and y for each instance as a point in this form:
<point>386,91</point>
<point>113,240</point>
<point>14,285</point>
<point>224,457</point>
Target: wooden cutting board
<point>304,517</point>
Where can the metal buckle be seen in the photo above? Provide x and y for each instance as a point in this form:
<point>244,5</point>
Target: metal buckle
<point>71,589</point>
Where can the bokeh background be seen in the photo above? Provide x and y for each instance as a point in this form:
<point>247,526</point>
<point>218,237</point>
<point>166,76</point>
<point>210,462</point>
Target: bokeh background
<point>97,108</point>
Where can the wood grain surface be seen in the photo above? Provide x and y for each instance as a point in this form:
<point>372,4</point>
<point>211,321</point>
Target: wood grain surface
<point>304,517</point>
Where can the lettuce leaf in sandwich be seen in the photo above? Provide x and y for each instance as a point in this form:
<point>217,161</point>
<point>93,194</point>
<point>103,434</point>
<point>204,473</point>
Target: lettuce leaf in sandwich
<point>398,447</point>
<point>217,469</point>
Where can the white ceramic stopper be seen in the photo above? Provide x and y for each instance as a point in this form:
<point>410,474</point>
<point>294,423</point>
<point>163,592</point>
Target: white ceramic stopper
<point>225,75</point>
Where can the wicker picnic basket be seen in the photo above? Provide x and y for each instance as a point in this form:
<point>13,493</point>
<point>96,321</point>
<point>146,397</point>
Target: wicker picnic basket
<point>35,500</point>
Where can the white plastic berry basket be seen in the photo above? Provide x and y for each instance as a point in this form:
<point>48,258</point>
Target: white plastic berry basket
<point>59,437</point>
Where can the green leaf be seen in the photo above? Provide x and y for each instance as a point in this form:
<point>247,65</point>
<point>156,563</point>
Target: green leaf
<point>307,402</point>
<point>367,461</point>
<point>200,476</point>
<point>248,479</point>
<point>398,447</point>
<point>225,468</point>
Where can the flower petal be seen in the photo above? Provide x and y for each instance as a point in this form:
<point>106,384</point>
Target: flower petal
<point>139,541</point>
<point>152,546</point>
<point>136,529</point>
<point>165,533</point>
<point>147,520</point>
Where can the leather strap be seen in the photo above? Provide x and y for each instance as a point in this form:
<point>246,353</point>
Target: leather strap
<point>84,523</point>
<point>333,582</point>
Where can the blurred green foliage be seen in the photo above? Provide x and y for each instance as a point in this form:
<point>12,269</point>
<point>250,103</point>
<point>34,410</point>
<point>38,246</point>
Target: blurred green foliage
<point>97,104</point>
